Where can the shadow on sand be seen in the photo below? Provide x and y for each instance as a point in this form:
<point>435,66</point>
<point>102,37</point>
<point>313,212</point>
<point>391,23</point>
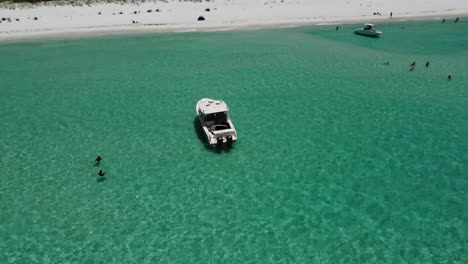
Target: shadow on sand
<point>202,137</point>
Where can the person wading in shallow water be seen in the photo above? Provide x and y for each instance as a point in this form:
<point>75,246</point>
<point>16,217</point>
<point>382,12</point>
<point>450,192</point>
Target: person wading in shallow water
<point>102,173</point>
<point>98,160</point>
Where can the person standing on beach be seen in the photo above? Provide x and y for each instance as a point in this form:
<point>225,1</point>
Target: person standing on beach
<point>391,14</point>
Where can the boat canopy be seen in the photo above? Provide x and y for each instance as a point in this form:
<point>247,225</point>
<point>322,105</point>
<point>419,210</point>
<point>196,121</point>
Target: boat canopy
<point>369,25</point>
<point>213,106</point>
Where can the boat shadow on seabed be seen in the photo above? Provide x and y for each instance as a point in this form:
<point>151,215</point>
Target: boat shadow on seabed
<point>202,137</point>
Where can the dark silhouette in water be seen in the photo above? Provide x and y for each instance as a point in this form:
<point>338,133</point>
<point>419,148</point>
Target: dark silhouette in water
<point>101,179</point>
<point>450,76</point>
<point>102,173</point>
<point>337,27</point>
<point>427,64</point>
<point>443,20</point>
<point>97,161</point>
<point>456,20</point>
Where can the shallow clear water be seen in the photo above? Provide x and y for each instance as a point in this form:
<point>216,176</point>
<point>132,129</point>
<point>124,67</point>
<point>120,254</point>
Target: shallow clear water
<point>340,158</point>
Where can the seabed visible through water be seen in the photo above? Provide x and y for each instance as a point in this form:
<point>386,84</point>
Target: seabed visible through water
<point>340,158</point>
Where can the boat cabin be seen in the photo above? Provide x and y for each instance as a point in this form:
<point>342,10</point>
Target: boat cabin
<point>368,26</point>
<point>214,115</point>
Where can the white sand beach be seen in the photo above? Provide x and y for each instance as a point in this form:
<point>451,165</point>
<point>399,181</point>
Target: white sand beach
<point>19,21</point>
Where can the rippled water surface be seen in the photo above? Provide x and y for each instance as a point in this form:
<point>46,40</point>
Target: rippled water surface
<point>340,158</point>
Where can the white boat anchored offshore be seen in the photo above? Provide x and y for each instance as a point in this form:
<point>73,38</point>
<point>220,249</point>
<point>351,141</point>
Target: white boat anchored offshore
<point>215,121</point>
<point>368,30</point>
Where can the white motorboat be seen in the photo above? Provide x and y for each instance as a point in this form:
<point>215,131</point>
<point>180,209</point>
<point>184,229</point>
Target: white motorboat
<point>368,30</point>
<point>215,121</point>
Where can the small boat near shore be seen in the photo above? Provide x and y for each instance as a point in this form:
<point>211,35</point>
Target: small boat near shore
<point>368,30</point>
<point>215,121</point>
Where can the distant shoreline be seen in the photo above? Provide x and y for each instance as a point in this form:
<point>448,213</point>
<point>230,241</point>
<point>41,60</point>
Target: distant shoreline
<point>29,22</point>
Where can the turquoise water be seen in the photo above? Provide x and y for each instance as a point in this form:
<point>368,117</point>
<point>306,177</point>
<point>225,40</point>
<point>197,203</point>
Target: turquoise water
<point>340,158</point>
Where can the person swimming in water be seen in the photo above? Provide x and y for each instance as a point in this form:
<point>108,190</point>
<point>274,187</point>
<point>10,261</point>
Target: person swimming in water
<point>98,160</point>
<point>101,173</point>
<point>427,64</point>
<point>450,76</point>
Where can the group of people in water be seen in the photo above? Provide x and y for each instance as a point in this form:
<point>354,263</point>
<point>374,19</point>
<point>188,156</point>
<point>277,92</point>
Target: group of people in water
<point>413,66</point>
<point>456,20</point>
<point>97,161</point>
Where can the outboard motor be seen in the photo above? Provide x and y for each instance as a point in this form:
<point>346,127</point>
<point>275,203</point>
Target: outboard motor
<point>219,141</point>
<point>229,140</point>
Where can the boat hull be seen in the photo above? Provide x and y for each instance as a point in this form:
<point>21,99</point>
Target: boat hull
<point>368,33</point>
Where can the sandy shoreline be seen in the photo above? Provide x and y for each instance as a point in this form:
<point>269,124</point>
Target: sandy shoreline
<point>63,21</point>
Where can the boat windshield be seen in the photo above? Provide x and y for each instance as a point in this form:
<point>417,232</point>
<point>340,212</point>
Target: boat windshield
<point>216,117</point>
